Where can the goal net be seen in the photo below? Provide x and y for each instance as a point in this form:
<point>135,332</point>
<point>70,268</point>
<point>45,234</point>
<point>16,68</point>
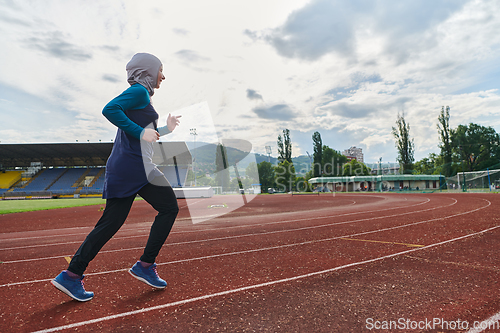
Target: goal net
<point>484,180</point>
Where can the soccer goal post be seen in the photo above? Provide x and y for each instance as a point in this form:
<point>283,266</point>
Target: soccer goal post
<point>483,180</point>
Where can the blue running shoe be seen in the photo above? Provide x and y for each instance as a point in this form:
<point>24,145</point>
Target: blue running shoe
<point>72,287</point>
<point>147,275</point>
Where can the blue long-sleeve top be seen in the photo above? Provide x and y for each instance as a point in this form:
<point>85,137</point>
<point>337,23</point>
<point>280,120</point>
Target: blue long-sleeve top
<point>135,97</point>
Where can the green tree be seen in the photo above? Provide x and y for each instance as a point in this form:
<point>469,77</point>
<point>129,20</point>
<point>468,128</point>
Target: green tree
<point>355,168</point>
<point>205,181</point>
<point>266,175</point>
<point>404,144</point>
<point>284,147</point>
<point>252,173</point>
<point>317,155</point>
<point>308,175</point>
<point>431,165</point>
<point>285,176</point>
<point>247,182</point>
<point>302,185</point>
<point>475,145</point>
<point>222,167</point>
<point>234,185</point>
<point>445,143</point>
<point>332,163</point>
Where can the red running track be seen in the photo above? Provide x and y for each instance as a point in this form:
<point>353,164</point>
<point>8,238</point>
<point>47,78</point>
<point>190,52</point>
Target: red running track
<point>280,263</point>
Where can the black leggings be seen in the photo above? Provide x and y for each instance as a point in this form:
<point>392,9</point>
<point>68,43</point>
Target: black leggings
<point>161,198</point>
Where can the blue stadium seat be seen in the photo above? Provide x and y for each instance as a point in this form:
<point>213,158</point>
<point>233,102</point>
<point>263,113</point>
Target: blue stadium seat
<point>42,181</point>
<point>64,184</point>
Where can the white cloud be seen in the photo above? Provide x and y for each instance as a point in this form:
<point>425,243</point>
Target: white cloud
<point>344,69</point>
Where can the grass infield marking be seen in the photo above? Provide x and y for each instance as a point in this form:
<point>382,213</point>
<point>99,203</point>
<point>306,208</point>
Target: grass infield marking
<point>30,205</point>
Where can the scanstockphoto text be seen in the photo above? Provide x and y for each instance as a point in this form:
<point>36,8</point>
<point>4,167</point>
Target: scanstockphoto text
<point>406,324</point>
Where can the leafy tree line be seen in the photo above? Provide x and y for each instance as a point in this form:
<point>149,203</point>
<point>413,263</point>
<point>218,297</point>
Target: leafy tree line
<point>281,177</point>
<point>469,147</point>
<point>404,144</point>
<point>327,162</point>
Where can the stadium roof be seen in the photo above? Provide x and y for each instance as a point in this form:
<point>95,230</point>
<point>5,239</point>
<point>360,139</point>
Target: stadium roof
<point>78,154</point>
<point>54,154</point>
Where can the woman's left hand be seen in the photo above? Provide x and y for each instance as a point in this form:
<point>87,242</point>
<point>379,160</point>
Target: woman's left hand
<point>172,122</point>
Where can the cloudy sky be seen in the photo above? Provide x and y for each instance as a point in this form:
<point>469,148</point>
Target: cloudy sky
<point>343,68</point>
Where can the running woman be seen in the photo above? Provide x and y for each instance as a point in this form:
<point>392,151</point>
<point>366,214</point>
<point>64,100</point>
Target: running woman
<point>130,171</point>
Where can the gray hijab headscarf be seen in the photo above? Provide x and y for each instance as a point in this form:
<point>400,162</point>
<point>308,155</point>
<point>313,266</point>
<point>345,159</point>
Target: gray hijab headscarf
<point>143,69</point>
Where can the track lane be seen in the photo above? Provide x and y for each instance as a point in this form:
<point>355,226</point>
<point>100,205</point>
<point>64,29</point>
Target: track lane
<point>155,308</point>
<point>39,267</point>
<point>261,264</point>
<point>132,231</point>
<point>269,235</point>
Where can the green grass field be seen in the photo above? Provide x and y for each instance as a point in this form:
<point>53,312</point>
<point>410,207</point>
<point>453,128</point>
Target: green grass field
<point>16,206</point>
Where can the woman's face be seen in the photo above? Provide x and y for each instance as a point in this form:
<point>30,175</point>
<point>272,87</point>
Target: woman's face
<point>161,77</point>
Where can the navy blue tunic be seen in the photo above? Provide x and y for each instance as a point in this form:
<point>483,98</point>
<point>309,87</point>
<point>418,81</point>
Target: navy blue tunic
<point>125,172</point>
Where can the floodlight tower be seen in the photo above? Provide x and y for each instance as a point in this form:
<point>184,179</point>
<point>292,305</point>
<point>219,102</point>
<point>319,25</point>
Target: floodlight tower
<point>194,134</point>
<point>268,152</point>
<point>310,159</point>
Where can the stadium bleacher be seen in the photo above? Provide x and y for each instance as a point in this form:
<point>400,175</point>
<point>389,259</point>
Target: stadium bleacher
<point>71,169</point>
<point>64,185</point>
<point>42,181</point>
<point>60,181</point>
<point>9,178</point>
<point>97,185</point>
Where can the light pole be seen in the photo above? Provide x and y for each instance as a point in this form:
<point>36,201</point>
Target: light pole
<point>268,152</point>
<point>381,187</point>
<point>194,134</point>
<point>310,161</point>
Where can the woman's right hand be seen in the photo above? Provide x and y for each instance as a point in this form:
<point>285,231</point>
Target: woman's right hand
<point>150,135</point>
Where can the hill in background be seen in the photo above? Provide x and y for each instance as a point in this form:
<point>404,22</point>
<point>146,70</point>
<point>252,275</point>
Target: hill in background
<point>205,159</point>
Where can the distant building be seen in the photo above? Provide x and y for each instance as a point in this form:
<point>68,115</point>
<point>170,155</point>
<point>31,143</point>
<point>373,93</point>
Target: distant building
<point>354,153</point>
<point>381,183</point>
<point>383,168</point>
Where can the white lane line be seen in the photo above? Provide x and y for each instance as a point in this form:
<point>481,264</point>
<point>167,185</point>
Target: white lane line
<point>256,286</point>
<point>229,237</point>
<point>123,229</point>
<point>268,248</point>
<point>250,225</point>
<point>313,218</point>
<point>9,234</point>
<point>130,227</point>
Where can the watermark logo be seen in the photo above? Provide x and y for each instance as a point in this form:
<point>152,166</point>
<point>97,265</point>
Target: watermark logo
<point>175,158</point>
<point>405,324</point>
